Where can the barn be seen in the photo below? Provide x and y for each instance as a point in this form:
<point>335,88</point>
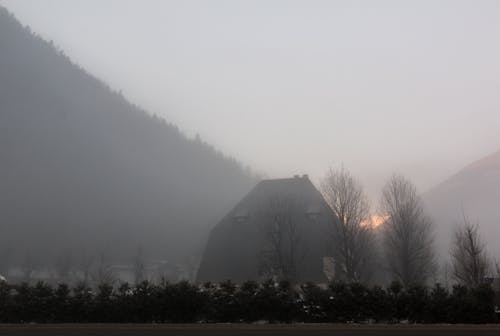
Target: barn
<point>278,230</point>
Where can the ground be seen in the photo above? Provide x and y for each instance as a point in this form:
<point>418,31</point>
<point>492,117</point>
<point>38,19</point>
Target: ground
<point>243,330</point>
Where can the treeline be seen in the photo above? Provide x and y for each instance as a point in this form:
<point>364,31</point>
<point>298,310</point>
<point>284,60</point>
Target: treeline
<point>250,302</point>
<point>399,242</point>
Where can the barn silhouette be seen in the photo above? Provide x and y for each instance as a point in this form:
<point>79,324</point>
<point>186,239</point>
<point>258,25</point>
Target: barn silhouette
<point>235,247</point>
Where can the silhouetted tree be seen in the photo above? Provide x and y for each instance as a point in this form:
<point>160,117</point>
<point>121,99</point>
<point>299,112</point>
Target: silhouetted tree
<point>407,233</point>
<point>470,262</point>
<point>352,240</point>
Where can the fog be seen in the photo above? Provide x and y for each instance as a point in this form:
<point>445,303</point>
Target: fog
<point>130,129</point>
<point>297,86</point>
<point>86,175</point>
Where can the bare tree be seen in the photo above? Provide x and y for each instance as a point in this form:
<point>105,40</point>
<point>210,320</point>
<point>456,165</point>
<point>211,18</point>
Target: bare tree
<point>470,263</point>
<point>352,242</point>
<point>283,249</point>
<point>408,233</point>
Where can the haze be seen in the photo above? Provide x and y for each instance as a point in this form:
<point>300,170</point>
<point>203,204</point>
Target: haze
<point>297,86</point>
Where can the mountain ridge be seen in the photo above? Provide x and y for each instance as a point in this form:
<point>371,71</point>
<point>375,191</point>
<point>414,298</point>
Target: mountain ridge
<point>473,191</point>
<point>83,163</point>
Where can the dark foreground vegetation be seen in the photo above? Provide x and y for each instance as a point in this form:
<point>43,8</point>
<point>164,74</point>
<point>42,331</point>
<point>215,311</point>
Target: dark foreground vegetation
<point>274,302</point>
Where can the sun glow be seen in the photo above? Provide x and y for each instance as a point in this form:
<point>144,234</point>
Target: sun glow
<point>375,221</point>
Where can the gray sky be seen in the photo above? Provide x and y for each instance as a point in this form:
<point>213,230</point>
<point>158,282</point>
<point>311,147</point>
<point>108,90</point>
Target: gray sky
<point>297,86</point>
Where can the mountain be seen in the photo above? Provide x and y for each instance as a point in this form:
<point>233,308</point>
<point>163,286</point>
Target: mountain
<point>475,192</point>
<point>85,171</point>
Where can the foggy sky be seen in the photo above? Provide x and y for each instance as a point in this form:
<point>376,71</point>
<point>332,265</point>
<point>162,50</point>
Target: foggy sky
<point>297,86</point>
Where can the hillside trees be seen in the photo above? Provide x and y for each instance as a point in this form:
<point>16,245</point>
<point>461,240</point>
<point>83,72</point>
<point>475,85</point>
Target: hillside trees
<point>408,233</point>
<point>105,170</point>
<point>352,241</point>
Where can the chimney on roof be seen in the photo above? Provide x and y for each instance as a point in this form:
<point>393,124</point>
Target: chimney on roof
<point>305,176</point>
<point>296,176</point>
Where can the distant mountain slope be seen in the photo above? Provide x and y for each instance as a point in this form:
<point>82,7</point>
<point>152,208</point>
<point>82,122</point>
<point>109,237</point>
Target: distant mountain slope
<point>83,169</point>
<point>476,190</point>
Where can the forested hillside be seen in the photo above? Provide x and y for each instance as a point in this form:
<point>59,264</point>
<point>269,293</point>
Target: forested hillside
<point>85,172</point>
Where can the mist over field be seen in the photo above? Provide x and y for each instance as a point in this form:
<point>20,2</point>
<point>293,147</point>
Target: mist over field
<point>135,137</point>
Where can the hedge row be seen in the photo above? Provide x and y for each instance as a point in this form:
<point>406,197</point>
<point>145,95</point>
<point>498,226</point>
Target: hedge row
<point>249,302</point>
